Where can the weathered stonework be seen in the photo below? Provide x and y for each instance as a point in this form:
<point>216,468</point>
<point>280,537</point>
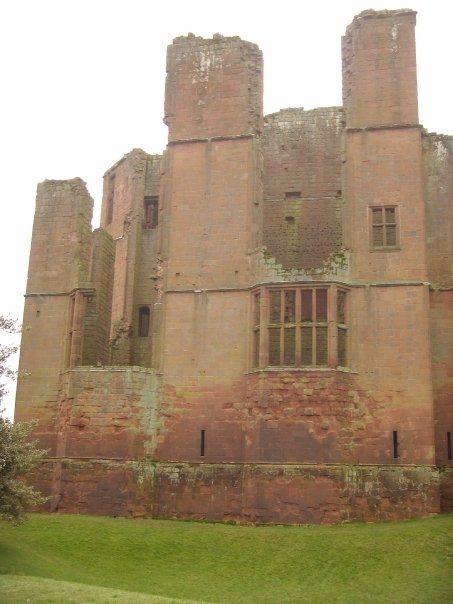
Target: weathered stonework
<point>165,353</point>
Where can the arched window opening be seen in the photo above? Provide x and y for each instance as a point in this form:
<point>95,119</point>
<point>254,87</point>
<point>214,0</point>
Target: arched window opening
<point>143,321</point>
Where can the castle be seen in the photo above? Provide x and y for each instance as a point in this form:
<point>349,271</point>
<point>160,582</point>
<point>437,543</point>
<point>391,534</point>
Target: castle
<point>260,330</point>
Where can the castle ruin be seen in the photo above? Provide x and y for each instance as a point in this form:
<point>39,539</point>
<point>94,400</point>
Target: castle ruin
<point>261,328</point>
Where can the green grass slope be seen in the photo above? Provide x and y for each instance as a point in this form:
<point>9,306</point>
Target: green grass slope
<point>387,562</point>
<point>16,589</point>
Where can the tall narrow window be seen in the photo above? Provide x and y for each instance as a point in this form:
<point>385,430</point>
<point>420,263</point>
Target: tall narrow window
<point>202,442</point>
<point>143,321</point>
<point>449,454</point>
<point>256,329</point>
<point>341,328</point>
<point>314,327</point>
<point>384,233</point>
<point>395,445</point>
<point>282,327</point>
<point>151,210</point>
<point>110,199</point>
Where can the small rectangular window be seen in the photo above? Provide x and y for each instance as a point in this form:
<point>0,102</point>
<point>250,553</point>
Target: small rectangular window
<point>293,195</point>
<point>143,321</point>
<point>384,232</point>
<point>151,209</point>
<point>449,453</point>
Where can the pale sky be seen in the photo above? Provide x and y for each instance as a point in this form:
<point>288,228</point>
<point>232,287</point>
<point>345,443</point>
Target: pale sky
<point>83,84</point>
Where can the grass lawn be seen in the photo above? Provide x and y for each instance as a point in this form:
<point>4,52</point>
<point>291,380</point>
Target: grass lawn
<point>387,562</point>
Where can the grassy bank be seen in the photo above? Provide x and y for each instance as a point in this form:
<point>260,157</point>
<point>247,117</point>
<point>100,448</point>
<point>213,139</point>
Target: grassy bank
<point>388,562</point>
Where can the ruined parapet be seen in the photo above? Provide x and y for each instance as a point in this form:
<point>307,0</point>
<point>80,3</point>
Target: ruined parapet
<point>302,186</point>
<point>213,87</point>
<point>379,69</point>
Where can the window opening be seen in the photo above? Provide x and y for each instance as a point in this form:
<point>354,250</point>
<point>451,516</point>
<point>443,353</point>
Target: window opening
<point>395,444</point>
<point>151,209</point>
<point>143,321</point>
<point>202,442</point>
<point>256,329</point>
<point>383,227</point>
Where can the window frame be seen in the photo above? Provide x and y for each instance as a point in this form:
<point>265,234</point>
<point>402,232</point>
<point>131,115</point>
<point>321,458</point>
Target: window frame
<point>384,224</point>
<point>260,333</point>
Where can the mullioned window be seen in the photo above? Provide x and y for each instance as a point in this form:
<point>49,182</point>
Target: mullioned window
<point>299,326</point>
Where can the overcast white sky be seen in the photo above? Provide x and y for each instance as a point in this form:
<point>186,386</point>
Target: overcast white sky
<point>83,83</point>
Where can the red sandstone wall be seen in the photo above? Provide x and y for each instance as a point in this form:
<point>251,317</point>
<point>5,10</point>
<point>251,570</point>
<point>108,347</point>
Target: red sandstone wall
<point>302,184</point>
<point>212,203</point>
<point>107,413</point>
<point>379,69</point>
<point>147,270</point>
<point>438,181</point>
<point>125,186</point>
<point>213,88</point>
<point>441,314</point>
<point>389,334</point>
<point>438,189</point>
<point>59,259</point>
<point>98,312</point>
<point>263,493</point>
